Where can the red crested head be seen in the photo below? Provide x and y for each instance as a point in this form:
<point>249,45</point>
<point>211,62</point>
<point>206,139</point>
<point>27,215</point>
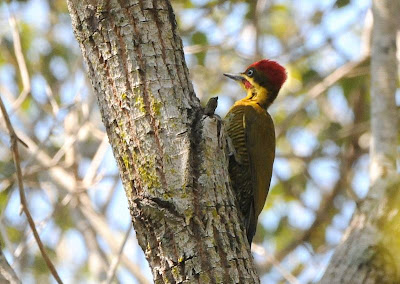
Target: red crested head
<point>274,73</point>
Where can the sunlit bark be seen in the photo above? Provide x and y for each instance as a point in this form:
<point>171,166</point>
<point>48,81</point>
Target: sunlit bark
<point>171,157</point>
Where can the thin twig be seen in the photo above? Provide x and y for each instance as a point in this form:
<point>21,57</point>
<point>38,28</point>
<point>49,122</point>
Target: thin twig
<point>366,34</point>
<point>54,105</point>
<point>348,158</point>
<point>24,204</point>
<point>289,277</point>
<point>26,84</point>
<point>66,181</point>
<point>197,48</point>
<point>258,7</point>
<point>99,225</point>
<point>7,274</point>
<point>97,258</point>
<point>40,225</point>
<point>96,161</point>
<point>6,240</point>
<point>68,144</point>
<point>110,194</point>
<point>335,76</point>
<point>319,89</point>
<point>114,265</point>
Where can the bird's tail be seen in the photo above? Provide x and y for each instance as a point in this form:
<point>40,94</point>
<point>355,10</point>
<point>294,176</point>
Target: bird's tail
<point>251,223</point>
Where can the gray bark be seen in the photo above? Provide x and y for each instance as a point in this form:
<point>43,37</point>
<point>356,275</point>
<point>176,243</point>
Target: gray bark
<point>370,251</point>
<point>171,157</point>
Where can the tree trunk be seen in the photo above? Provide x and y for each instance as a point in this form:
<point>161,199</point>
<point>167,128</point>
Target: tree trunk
<point>370,252</point>
<point>171,157</point>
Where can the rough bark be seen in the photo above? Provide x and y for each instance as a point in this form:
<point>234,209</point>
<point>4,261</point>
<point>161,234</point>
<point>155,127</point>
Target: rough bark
<point>370,252</point>
<point>171,157</point>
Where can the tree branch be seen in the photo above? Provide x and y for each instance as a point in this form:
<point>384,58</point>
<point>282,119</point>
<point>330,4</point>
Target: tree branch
<point>370,252</point>
<point>24,204</point>
<point>7,274</point>
<point>26,84</point>
<point>171,158</point>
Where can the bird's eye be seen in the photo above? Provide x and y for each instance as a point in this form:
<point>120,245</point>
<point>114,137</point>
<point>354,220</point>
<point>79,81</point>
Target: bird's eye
<point>250,73</point>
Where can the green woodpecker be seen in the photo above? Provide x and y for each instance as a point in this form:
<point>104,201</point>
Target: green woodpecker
<point>251,138</point>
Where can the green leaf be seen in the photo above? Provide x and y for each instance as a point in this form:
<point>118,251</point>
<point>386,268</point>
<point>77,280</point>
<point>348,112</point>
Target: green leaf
<point>7,169</point>
<point>298,269</point>
<point>311,75</point>
<point>261,233</point>
<point>279,8</point>
<point>318,236</point>
<point>201,58</point>
<point>26,104</point>
<point>39,266</point>
<point>284,234</point>
<point>199,38</point>
<point>14,234</point>
<point>342,3</point>
<point>63,218</point>
<point>330,131</point>
<point>188,4</point>
<point>4,196</point>
<point>317,17</point>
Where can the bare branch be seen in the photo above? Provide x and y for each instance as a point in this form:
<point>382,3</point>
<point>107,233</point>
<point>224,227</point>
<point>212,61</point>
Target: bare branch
<point>7,274</point>
<point>384,120</point>
<point>21,64</point>
<point>66,181</point>
<point>114,265</point>
<point>24,204</point>
<point>95,164</point>
<point>318,89</point>
<point>289,277</point>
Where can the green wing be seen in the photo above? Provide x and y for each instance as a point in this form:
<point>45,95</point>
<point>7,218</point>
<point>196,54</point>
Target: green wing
<point>260,142</point>
<point>252,136</point>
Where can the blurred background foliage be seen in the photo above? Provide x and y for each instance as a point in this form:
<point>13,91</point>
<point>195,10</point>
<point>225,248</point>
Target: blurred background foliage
<point>71,179</point>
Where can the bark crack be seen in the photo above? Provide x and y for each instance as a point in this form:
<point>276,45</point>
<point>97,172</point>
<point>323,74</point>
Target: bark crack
<point>146,96</point>
<point>168,205</point>
<point>154,124</point>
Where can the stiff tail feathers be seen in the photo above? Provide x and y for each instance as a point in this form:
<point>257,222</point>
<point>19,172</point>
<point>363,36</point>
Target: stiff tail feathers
<point>251,223</point>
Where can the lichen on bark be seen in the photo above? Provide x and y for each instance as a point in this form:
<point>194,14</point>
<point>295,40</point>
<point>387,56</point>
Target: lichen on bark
<point>171,157</point>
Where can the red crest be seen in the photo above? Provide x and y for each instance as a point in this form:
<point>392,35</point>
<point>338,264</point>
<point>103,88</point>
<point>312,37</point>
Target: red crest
<point>275,72</point>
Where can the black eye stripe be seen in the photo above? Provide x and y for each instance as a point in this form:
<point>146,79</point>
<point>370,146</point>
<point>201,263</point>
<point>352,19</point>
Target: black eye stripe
<point>250,73</point>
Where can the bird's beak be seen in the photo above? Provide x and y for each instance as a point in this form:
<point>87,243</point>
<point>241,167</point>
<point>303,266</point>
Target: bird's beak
<point>236,77</point>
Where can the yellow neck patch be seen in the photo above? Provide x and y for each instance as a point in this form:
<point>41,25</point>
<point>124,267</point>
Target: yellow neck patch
<point>255,93</point>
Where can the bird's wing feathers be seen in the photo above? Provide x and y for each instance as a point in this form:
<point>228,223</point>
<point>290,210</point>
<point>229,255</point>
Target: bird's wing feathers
<point>252,151</point>
<point>260,142</point>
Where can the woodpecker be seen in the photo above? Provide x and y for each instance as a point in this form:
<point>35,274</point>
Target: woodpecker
<point>251,138</point>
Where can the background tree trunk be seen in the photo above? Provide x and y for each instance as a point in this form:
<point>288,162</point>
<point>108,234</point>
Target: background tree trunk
<point>171,157</point>
<point>370,252</point>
